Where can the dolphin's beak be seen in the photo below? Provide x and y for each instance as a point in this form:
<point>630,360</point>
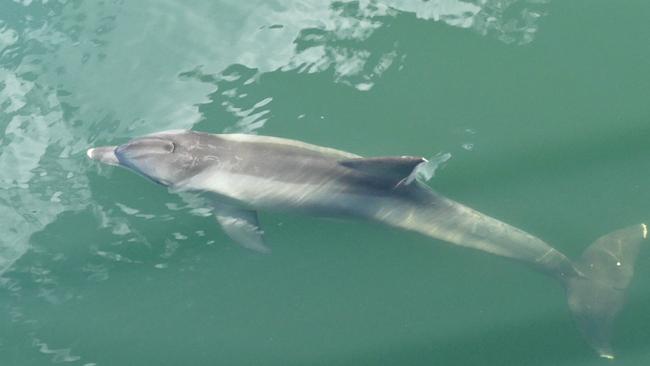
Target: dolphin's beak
<point>104,154</point>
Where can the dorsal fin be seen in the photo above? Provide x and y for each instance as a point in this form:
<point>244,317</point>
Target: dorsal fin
<point>392,168</point>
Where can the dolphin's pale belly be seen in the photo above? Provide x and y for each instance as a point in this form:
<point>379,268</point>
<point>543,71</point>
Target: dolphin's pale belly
<point>319,198</point>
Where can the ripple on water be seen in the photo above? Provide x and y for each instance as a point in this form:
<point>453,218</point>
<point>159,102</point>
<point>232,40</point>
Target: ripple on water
<point>57,98</point>
<point>75,74</point>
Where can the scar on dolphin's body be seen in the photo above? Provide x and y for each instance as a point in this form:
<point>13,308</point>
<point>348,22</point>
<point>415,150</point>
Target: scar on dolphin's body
<point>245,173</point>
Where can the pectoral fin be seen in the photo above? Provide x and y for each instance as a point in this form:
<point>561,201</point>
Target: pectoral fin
<point>242,226</point>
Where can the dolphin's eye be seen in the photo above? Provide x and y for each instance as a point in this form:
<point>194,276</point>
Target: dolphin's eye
<point>161,146</point>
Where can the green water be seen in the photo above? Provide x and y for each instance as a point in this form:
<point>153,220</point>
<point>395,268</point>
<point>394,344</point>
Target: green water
<point>543,106</point>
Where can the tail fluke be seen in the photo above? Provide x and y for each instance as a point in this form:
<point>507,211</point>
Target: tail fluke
<point>596,283</point>
<point>597,294</point>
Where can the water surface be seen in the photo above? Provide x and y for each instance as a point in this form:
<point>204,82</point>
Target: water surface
<point>542,105</point>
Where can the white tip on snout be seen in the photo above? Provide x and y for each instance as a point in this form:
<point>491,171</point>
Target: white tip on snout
<point>104,154</point>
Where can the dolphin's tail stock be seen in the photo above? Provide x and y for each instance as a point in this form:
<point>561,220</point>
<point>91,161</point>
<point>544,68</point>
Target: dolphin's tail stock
<point>595,283</point>
<point>597,293</point>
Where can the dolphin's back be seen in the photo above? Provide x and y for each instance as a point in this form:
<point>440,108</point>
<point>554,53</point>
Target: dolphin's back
<point>274,173</point>
<point>281,160</point>
<point>280,145</point>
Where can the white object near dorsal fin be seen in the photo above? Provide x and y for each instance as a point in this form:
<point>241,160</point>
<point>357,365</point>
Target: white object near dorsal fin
<point>401,170</point>
<point>427,169</point>
<point>242,226</point>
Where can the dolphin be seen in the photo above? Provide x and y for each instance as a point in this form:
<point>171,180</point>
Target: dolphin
<point>243,174</point>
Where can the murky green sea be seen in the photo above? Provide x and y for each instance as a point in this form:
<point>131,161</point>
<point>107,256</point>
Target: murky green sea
<point>543,105</point>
